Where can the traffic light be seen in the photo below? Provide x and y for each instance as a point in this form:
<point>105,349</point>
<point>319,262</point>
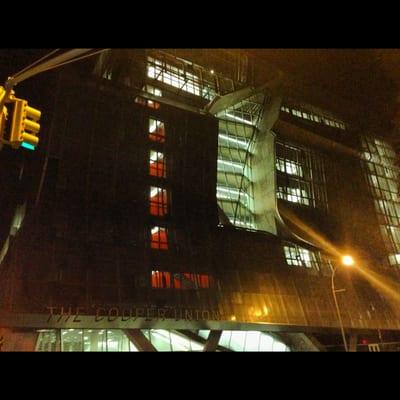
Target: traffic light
<point>23,124</point>
<point>3,120</point>
<point>3,116</point>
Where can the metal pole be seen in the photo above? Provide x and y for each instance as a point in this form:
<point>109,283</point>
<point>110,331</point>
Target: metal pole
<point>337,308</point>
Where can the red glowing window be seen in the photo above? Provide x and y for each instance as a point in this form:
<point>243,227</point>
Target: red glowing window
<point>153,104</point>
<point>161,280</point>
<point>158,201</point>
<point>149,103</point>
<point>156,130</point>
<point>157,164</point>
<point>189,281</point>
<point>159,238</point>
<point>185,280</point>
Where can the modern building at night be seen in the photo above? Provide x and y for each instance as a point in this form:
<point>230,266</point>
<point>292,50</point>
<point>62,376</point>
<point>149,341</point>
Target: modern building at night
<point>199,200</point>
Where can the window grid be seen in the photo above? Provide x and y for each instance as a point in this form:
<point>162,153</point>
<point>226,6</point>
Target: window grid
<point>159,238</point>
<point>296,255</point>
<point>234,165</point>
<point>311,116</point>
<point>180,280</point>
<point>157,164</point>
<point>300,176</point>
<point>158,201</point>
<point>147,102</point>
<point>179,77</point>
<point>156,130</point>
<point>379,161</point>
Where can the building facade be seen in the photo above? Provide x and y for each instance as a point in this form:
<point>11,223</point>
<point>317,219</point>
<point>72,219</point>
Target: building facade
<point>195,201</point>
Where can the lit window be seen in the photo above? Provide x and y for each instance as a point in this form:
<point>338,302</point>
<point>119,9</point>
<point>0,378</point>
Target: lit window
<point>156,130</point>
<point>157,164</point>
<point>161,280</point>
<point>179,280</point>
<point>173,76</point>
<point>298,256</point>
<point>313,117</point>
<point>156,92</point>
<point>107,75</point>
<point>159,238</point>
<point>289,167</point>
<point>153,90</point>
<point>158,201</point>
<point>394,259</point>
<point>300,176</point>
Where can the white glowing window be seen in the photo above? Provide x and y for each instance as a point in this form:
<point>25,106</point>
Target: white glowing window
<point>315,118</point>
<point>159,238</point>
<point>241,143</point>
<point>107,75</point>
<point>157,165</point>
<point>173,76</point>
<point>298,256</point>
<point>156,130</point>
<point>394,259</point>
<point>289,167</point>
<point>153,90</point>
<point>232,194</point>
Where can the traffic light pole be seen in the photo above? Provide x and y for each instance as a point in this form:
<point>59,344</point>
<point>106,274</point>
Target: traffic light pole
<point>7,93</point>
<point>55,62</point>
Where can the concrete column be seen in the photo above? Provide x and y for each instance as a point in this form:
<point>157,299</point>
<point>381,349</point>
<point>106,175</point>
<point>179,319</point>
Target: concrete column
<point>264,168</point>
<point>212,341</point>
<point>139,340</point>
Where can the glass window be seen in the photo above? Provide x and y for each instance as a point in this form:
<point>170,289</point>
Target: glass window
<point>47,340</point>
<point>266,342</point>
<point>161,280</point>
<point>300,176</point>
<point>252,341</point>
<point>72,340</point>
<point>383,173</point>
<point>180,343</point>
<point>95,340</point>
<point>234,164</point>
<point>159,239</point>
<point>299,256</point>
<point>174,76</point>
<point>117,341</point>
<point>158,201</point>
<point>181,280</point>
<point>238,339</point>
<point>157,165</point>
<point>153,90</point>
<point>313,117</point>
<point>279,346</point>
<point>156,130</point>
<point>160,339</point>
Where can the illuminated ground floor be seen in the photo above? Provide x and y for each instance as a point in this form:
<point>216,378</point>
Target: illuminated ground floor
<point>116,340</point>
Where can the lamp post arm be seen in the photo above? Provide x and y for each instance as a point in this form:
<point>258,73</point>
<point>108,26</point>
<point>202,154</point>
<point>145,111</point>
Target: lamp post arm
<point>337,307</point>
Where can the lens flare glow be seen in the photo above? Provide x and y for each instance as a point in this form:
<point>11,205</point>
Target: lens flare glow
<point>348,261</point>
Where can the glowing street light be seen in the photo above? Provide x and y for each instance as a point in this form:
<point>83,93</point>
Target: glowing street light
<point>348,261</point>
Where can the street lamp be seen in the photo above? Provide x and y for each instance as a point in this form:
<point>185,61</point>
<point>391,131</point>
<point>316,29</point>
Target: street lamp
<point>348,261</point>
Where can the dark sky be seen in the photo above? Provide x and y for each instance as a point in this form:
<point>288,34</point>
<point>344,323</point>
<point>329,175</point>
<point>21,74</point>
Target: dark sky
<point>370,77</point>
